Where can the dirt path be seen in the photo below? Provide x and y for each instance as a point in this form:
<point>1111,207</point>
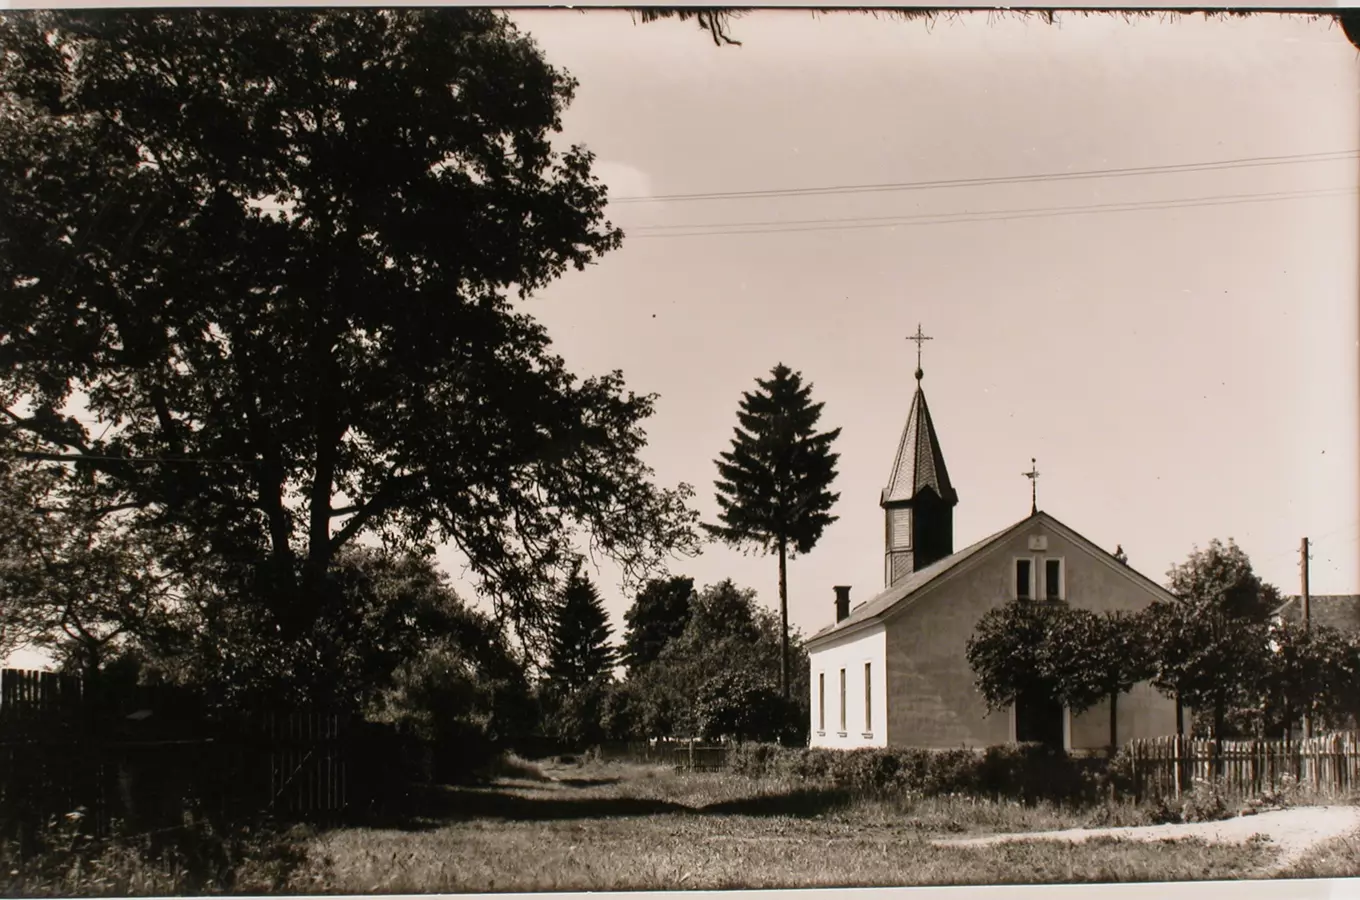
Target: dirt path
<point>1293,831</point>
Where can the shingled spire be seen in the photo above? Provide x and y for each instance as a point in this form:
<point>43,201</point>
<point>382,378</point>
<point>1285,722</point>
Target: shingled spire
<point>919,500</point>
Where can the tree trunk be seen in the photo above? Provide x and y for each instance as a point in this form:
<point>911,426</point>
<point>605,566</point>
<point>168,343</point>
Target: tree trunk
<point>1180,716</point>
<point>783,620</point>
<point>1114,728</point>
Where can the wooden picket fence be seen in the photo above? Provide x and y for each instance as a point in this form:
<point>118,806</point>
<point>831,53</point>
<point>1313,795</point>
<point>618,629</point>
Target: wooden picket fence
<point>138,755</point>
<point>1325,765</point>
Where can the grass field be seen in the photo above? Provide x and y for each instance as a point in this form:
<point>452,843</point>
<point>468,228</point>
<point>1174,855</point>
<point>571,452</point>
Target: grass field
<point>630,827</point>
<point>625,827</point>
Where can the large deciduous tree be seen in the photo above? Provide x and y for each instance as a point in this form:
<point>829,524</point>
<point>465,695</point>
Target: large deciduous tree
<point>774,487</point>
<point>658,615</point>
<point>271,255</point>
<point>1210,643</point>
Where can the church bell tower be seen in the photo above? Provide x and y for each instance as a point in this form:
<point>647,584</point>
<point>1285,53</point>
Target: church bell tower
<point>918,503</point>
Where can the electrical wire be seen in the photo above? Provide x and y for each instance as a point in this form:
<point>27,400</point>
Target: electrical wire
<point>847,224</point>
<point>1127,171</point>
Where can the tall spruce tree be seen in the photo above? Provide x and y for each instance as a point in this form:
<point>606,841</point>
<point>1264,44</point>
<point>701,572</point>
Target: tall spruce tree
<point>579,653</point>
<point>774,486</point>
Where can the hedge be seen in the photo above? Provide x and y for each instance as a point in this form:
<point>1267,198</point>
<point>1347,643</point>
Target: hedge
<point>1025,772</point>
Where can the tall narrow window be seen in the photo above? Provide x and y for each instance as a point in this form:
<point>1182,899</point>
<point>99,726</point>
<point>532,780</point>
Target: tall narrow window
<point>1053,579</point>
<point>842,700</point>
<point>821,701</point>
<point>1022,579</point>
<point>868,698</point>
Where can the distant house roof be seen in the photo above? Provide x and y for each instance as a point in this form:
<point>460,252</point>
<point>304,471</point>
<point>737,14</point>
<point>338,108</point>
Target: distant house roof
<point>906,590</point>
<point>1339,611</point>
<point>919,464</point>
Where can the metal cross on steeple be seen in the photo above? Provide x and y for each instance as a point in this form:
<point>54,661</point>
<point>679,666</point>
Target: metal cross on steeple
<point>919,337</point>
<point>1033,476</point>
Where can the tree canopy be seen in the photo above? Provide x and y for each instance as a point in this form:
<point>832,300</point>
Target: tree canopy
<point>658,615</point>
<point>708,679</point>
<point>74,579</point>
<point>1010,652</point>
<point>258,272</point>
<point>1210,643</point>
<point>1099,656</point>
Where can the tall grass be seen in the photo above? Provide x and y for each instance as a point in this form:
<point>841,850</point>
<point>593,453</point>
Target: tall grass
<point>61,861</point>
<point>1337,858</point>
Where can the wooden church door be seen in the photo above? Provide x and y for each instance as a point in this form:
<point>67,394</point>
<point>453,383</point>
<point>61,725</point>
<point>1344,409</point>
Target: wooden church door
<point>1039,720</point>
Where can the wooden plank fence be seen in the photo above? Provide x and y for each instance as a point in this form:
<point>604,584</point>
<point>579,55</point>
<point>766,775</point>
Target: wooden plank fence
<point>138,756</point>
<point>1326,765</point>
<point>27,696</point>
<point>307,762</point>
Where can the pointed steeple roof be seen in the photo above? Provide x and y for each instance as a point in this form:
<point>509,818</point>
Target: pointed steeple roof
<point>920,463</point>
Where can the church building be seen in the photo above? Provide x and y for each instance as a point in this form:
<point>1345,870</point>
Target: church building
<point>892,671</point>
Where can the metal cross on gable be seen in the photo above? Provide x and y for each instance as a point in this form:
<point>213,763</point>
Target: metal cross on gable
<point>920,338</point>
<point>1033,476</point>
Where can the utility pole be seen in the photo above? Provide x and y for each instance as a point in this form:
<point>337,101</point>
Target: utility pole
<point>1303,551</point>
<point>1303,601</point>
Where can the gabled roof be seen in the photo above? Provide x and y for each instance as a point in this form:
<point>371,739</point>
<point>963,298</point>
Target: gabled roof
<point>906,591</point>
<point>1339,611</point>
<point>919,464</point>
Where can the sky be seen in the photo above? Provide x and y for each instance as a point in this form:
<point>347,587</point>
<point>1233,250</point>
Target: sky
<point>1182,360</point>
<point>1182,371</point>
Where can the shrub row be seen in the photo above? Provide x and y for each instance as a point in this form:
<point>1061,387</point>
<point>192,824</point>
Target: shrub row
<point>1025,772</point>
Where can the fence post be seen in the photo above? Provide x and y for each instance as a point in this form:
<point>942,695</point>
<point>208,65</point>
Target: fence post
<point>1177,761</point>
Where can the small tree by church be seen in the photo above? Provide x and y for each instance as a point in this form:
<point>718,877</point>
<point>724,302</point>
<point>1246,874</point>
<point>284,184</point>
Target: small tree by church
<point>1011,652</point>
<point>774,485</point>
<point>1098,657</point>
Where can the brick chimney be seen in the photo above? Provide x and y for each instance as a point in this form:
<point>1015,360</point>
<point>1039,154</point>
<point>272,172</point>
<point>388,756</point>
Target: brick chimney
<point>842,602</point>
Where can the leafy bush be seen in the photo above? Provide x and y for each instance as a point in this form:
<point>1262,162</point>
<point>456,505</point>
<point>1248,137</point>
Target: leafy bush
<point>952,772</point>
<point>1206,803</point>
<point>1031,772</point>
<point>1284,794</point>
<point>1119,773</point>
<point>742,705</point>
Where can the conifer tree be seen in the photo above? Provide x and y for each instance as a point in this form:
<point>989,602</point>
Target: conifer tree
<point>578,646</point>
<point>774,485</point>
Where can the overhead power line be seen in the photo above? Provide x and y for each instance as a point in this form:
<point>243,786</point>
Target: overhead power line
<point>792,226</point>
<point>1127,171</point>
<point>136,460</point>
